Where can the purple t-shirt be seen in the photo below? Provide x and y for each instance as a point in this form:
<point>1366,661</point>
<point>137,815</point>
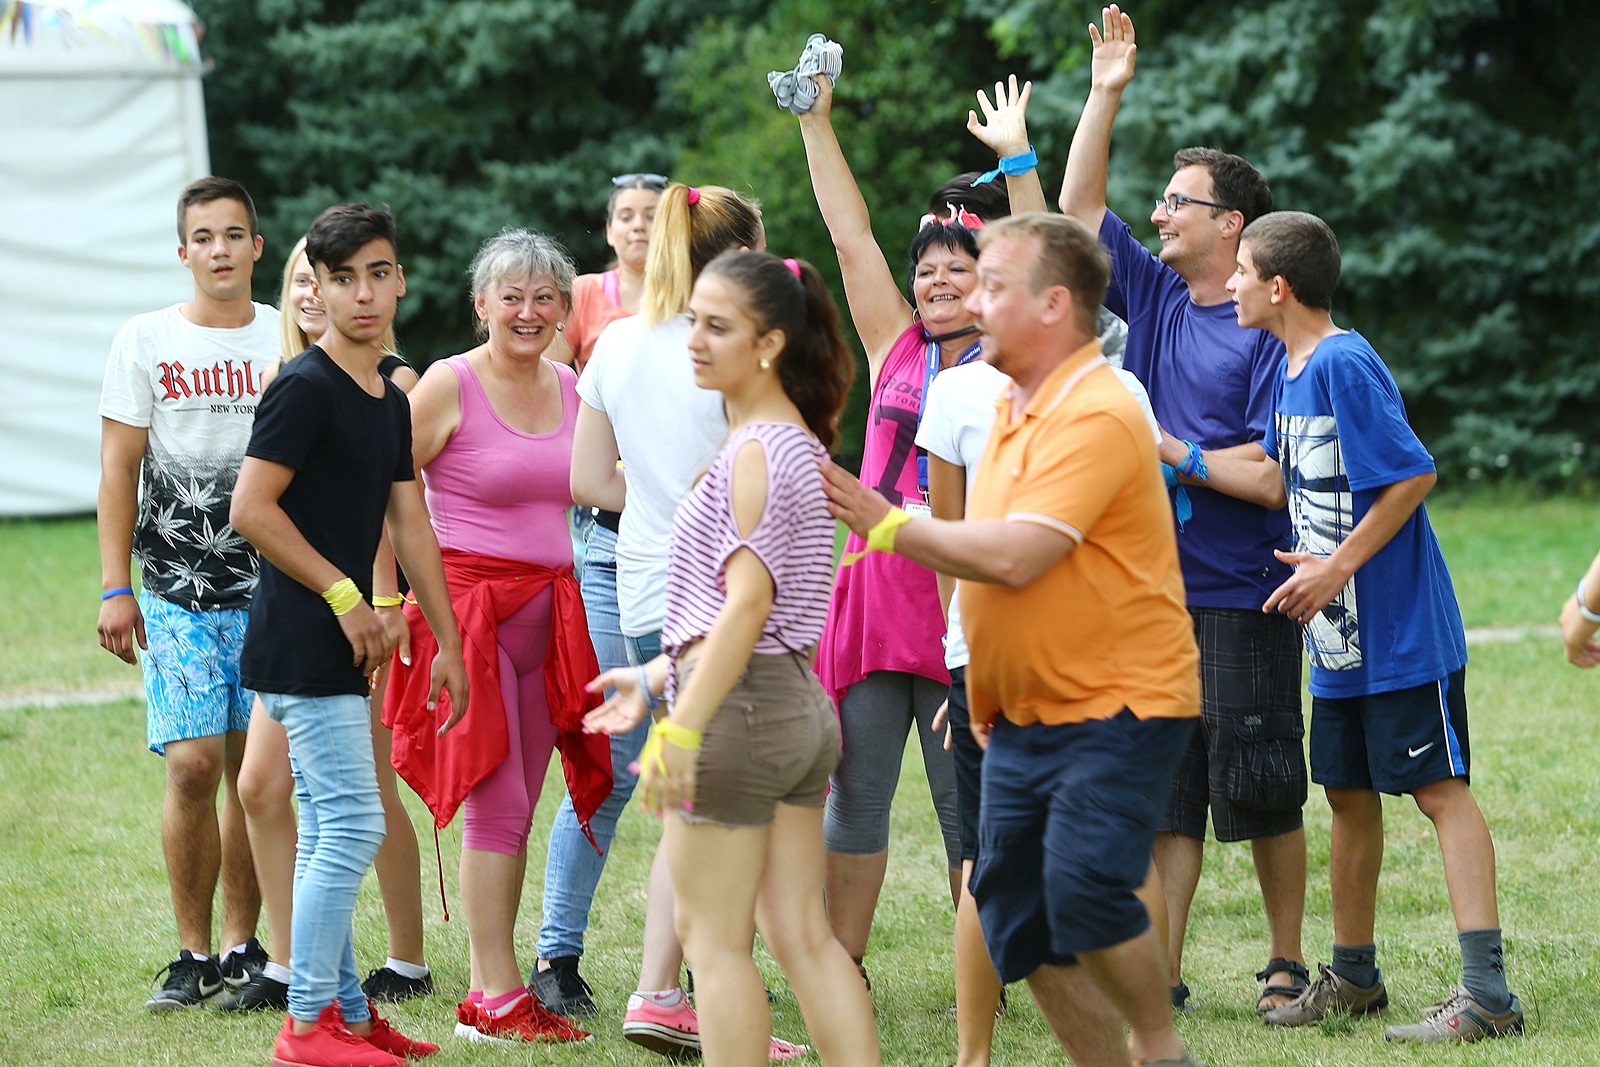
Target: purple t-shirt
<point>1210,382</point>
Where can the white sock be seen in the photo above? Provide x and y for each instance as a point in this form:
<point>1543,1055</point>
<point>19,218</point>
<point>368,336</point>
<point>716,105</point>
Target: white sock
<point>664,998</point>
<point>236,950</point>
<point>277,972</point>
<point>408,970</point>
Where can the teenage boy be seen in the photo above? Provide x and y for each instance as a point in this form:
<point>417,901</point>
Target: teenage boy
<point>1382,629</point>
<point>175,412</point>
<point>329,461</point>
<point>1210,384</point>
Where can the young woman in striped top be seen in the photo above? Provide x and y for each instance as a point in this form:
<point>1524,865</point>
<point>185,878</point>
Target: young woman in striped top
<point>742,756</point>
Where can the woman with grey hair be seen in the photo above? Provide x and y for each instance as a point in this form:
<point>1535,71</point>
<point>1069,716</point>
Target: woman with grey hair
<point>492,438</point>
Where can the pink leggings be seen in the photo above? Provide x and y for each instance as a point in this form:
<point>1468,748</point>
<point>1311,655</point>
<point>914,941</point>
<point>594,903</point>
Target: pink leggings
<point>498,813</point>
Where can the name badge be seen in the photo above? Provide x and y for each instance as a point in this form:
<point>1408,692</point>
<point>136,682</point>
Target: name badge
<point>918,511</point>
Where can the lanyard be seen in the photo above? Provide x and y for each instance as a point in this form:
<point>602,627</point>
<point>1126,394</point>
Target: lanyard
<point>931,371</point>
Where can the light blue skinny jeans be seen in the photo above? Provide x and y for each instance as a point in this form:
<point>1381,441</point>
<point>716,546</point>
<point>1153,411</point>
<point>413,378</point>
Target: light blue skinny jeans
<point>572,868</point>
<point>341,827</point>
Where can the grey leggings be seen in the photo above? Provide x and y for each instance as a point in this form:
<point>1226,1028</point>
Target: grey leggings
<point>874,716</point>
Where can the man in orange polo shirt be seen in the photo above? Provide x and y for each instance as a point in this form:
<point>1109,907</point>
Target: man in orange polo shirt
<point>1083,680</point>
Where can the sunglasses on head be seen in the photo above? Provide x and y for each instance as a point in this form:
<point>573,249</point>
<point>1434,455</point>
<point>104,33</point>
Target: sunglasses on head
<point>654,181</point>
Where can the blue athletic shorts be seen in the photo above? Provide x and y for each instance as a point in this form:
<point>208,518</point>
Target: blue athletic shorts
<point>1392,742</point>
<point>1069,814</point>
<point>191,672</point>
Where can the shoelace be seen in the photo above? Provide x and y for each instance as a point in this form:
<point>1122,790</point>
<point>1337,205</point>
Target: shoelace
<point>179,969</point>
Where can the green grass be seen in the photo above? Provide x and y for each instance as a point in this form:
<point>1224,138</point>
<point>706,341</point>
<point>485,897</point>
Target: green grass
<point>85,919</point>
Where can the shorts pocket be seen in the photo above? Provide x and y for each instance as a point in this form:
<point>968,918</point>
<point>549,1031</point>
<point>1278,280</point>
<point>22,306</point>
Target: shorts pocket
<point>780,737</point>
<point>1266,767</point>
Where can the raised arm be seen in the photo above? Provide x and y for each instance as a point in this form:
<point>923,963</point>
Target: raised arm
<point>1004,128</point>
<point>1083,190</point>
<point>877,307</point>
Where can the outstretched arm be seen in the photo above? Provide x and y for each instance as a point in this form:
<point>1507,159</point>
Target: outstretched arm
<point>877,307</point>
<point>1004,128</point>
<point>1083,190</point>
<point>1577,631</point>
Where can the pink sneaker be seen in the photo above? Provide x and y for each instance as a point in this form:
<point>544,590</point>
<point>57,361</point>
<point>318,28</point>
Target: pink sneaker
<point>674,1032</point>
<point>781,1051</point>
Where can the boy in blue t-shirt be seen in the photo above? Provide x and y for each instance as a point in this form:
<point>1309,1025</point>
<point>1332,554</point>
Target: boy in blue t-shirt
<point>1382,630</point>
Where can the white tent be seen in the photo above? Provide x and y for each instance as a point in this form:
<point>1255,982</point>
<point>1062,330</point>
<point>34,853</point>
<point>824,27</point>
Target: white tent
<point>101,125</point>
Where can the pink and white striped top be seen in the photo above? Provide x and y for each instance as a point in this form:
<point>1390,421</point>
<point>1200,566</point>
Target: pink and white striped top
<point>793,539</point>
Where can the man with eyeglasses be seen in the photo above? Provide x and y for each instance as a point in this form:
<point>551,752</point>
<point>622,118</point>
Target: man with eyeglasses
<point>1210,385</point>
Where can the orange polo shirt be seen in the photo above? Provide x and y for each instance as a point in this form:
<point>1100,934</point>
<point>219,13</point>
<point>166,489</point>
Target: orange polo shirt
<point>1105,628</point>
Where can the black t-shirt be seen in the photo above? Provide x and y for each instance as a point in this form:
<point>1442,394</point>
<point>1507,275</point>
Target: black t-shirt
<point>347,449</point>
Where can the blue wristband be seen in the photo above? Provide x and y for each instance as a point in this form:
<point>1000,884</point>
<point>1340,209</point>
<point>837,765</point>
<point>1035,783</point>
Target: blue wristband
<point>1194,465</point>
<point>109,593</point>
<point>1021,163</point>
<point>644,687</point>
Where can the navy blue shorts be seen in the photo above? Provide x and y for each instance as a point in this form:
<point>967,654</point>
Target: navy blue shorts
<point>969,764</point>
<point>1073,808</point>
<point>1392,742</point>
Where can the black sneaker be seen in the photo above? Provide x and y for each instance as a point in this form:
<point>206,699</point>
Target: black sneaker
<point>190,983</point>
<point>385,983</point>
<point>561,989</point>
<point>259,994</point>
<point>239,968</point>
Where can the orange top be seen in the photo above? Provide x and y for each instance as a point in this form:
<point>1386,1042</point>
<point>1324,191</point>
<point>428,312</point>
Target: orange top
<point>592,311</point>
<point>1105,628</point>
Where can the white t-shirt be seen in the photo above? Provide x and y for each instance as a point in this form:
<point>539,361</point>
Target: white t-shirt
<point>956,420</point>
<point>194,388</point>
<point>668,431</point>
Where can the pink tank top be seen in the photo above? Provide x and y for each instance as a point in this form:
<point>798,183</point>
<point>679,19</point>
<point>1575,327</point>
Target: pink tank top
<point>501,492</point>
<point>884,615</point>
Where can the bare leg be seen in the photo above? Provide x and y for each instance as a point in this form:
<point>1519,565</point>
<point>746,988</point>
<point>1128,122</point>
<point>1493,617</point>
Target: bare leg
<point>715,871</point>
<point>854,882</point>
<point>1354,862</point>
<point>1281,869</point>
<point>1154,898</point>
<point>977,984</point>
<point>1468,852</point>
<point>1083,1020</point>
<point>1178,859</point>
<point>190,837</point>
<point>266,791</point>
<point>241,895</point>
<point>1133,978</point>
<point>399,863</point>
<point>794,923</point>
<point>491,889</point>
<point>663,954</point>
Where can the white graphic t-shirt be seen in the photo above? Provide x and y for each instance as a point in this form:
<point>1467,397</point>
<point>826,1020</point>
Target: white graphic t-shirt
<point>195,389</point>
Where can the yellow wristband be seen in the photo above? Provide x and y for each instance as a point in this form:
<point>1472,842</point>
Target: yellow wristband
<point>388,601</point>
<point>678,736</point>
<point>881,537</point>
<point>342,596</point>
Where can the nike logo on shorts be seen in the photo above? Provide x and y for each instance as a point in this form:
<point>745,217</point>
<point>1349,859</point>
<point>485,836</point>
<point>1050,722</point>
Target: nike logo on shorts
<point>1415,752</point>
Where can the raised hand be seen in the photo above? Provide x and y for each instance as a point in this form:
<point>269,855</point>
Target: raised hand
<point>822,107</point>
<point>1004,126</point>
<point>1111,67</point>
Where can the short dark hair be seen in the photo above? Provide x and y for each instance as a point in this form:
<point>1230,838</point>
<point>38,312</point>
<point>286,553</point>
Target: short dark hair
<point>1234,181</point>
<point>1069,255</point>
<point>988,201</point>
<point>204,191</point>
<point>1299,248</point>
<point>340,231</point>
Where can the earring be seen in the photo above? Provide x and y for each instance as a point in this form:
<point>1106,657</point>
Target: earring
<point>765,363</point>
<point>561,327</point>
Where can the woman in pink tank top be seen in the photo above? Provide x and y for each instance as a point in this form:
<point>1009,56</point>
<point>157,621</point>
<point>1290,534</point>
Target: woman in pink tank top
<point>492,438</point>
<point>882,654</point>
<point>600,299</point>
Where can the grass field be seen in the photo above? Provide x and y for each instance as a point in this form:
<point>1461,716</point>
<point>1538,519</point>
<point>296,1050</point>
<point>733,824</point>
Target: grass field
<point>85,920</point>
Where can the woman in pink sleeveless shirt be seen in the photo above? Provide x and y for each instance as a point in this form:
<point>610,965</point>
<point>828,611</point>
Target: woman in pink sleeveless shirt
<point>881,656</point>
<point>492,438</point>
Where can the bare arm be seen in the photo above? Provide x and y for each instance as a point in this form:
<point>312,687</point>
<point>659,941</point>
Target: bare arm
<point>1004,129</point>
<point>418,551</point>
<point>122,450</point>
<point>1083,189</point>
<point>877,308</point>
<point>1242,471</point>
<point>597,481</point>
<point>947,497</point>
<point>1577,632</point>
<point>435,413</point>
<point>259,518</point>
<point>998,551</point>
<point>1318,579</point>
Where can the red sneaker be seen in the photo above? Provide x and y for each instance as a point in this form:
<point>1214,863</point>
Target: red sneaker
<point>328,1044</point>
<point>392,1041</point>
<point>467,1020</point>
<point>529,1021</point>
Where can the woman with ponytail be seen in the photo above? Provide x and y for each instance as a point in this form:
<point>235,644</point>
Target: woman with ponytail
<point>640,405</point>
<point>740,760</point>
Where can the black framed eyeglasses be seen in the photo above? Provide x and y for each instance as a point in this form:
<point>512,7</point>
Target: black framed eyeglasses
<point>1173,201</point>
<point>652,181</point>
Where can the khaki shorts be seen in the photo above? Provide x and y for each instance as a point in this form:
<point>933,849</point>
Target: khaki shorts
<point>775,739</point>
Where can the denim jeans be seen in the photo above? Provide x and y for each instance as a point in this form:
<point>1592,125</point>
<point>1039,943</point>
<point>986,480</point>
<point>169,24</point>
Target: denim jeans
<point>572,867</point>
<point>341,827</point>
